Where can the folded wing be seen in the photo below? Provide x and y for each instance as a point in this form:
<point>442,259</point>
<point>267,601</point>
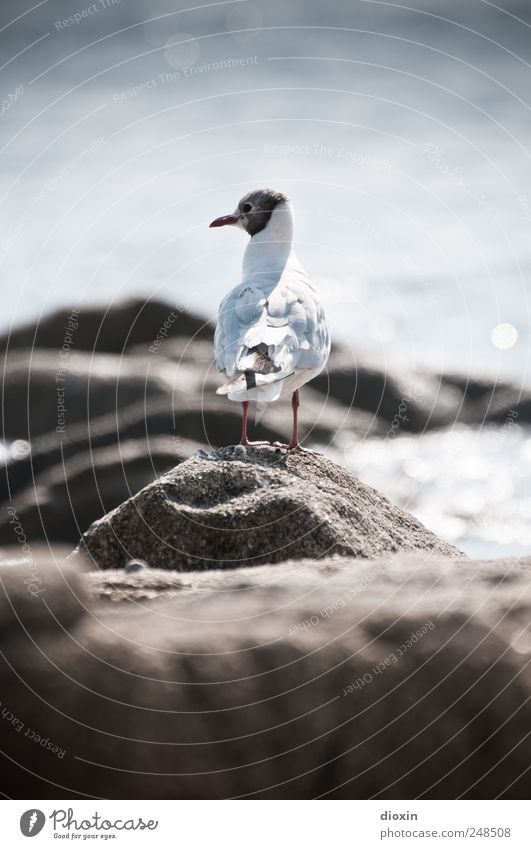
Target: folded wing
<point>264,336</point>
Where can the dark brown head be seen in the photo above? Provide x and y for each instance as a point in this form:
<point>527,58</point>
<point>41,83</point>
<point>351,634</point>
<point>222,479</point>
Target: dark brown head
<point>253,211</point>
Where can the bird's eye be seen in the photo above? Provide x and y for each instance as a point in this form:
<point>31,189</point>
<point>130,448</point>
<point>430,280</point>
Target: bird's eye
<point>247,207</point>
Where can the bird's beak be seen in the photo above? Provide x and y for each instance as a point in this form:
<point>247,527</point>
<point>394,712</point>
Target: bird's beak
<point>225,219</point>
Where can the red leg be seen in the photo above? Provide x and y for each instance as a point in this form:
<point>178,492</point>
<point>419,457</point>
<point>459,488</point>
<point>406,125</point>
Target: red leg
<point>245,410</point>
<point>244,438</point>
<point>295,444</point>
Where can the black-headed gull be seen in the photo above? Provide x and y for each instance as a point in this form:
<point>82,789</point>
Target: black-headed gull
<point>271,336</point>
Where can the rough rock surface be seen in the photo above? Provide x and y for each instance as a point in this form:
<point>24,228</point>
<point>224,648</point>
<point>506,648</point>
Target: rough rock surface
<point>241,506</point>
<point>392,679</point>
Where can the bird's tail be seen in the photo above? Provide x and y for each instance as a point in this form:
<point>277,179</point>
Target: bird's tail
<point>256,371</point>
<point>248,380</point>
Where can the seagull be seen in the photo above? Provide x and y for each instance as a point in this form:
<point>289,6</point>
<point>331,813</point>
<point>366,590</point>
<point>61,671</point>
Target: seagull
<point>271,335</point>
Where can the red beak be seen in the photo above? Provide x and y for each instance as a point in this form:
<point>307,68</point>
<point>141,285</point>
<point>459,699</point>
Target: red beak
<point>225,219</point>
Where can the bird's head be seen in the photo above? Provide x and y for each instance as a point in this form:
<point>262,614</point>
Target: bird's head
<point>255,209</point>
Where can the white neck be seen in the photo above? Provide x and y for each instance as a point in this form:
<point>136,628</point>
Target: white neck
<point>270,250</point>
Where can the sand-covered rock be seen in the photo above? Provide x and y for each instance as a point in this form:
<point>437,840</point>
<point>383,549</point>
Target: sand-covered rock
<point>341,678</point>
<point>245,506</point>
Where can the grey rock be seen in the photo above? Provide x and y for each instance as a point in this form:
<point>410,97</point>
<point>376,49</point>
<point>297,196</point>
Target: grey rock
<point>270,682</point>
<point>112,329</point>
<point>112,399</point>
<point>414,400</point>
<point>61,502</point>
<point>138,422</point>
<point>265,508</point>
<point>36,579</point>
<point>88,387</point>
<point>135,566</point>
<point>502,404</point>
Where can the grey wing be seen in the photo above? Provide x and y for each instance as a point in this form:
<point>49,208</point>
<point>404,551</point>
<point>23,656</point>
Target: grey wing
<point>315,345</point>
<point>288,321</point>
<point>240,310</point>
<point>296,306</point>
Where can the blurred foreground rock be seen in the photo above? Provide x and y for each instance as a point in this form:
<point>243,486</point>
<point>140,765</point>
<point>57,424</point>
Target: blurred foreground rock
<point>392,679</point>
<point>240,506</point>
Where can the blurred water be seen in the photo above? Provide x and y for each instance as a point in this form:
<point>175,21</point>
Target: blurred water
<point>470,486</point>
<point>402,135</point>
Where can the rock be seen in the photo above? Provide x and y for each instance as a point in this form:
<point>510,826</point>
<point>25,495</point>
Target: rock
<point>411,401</point>
<point>219,512</point>
<point>124,585</point>
<point>470,387</point>
<point>350,679</point>
<point>195,349</point>
<point>110,329</point>
<point>194,415</point>
<point>135,566</point>
<point>503,404</point>
<point>34,581</point>
<point>64,500</point>
<point>486,400</point>
<point>415,401</point>
<point>138,422</point>
<point>182,358</point>
<point>39,399</point>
